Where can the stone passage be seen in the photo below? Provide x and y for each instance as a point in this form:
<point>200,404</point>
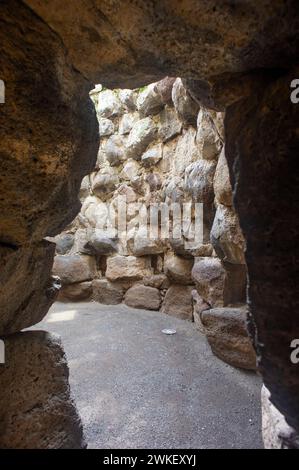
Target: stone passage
<point>138,388</point>
<point>158,146</point>
<point>240,57</point>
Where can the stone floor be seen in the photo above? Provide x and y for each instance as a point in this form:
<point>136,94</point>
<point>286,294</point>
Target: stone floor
<point>135,387</point>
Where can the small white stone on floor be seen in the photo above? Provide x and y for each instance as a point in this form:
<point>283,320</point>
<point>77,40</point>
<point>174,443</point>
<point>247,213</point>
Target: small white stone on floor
<point>169,331</point>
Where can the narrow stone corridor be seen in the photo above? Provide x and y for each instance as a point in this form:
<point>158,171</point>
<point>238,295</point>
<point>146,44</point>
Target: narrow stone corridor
<point>138,388</point>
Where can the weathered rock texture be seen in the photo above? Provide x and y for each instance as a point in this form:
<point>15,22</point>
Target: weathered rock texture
<point>162,272</point>
<point>52,53</point>
<point>266,126</point>
<point>53,130</point>
<point>179,38</point>
<point>226,332</point>
<point>153,153</point>
<point>36,408</point>
<point>277,434</point>
<point>27,288</point>
<point>140,296</point>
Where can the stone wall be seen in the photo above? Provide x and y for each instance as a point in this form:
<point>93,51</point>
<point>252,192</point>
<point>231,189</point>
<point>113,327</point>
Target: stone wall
<point>157,145</point>
<point>239,57</point>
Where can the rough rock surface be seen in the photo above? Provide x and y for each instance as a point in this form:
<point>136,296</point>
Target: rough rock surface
<point>178,301</point>
<point>270,229</point>
<point>74,268</point>
<point>106,292</point>
<point>199,305</point>
<point>140,296</point>
<point>222,186</point>
<point>185,106</point>
<point>227,334</point>
<point>199,181</point>
<point>207,136</point>
<point>114,150</point>
<point>75,292</point>
<point>100,244</point>
<point>64,243</point>
<point>209,277</point>
<point>141,135</point>
<point>277,434</point>
<point>156,280</point>
<point>37,411</point>
<point>26,287</point>
<point>53,131</point>
<point>61,50</point>
<point>127,268</point>
<point>178,269</point>
<point>178,165</point>
<point>170,125</point>
<point>200,33</point>
<point>106,127</point>
<point>164,88</point>
<point>141,246</point>
<point>226,236</point>
<point>149,101</point>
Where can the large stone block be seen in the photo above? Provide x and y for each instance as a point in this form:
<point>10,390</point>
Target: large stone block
<point>130,170</point>
<point>228,337</point>
<point>49,134</point>
<point>190,250</point>
<point>126,123</point>
<point>140,296</point>
<point>149,101</point>
<point>164,88</point>
<point>226,236</point>
<point>199,177</point>
<point>27,289</point>
<point>74,268</point>
<point>128,98</point>
<point>170,124</point>
<point>81,236</point>
<point>127,268</point>
<point>109,104</point>
<point>152,155</point>
<point>99,243</point>
<point>174,190</point>
<point>277,433</point>
<point>142,245</point>
<point>178,302</point>
<point>115,150</point>
<point>75,292</point>
<point>106,127</point>
<point>199,305</point>
<point>222,186</point>
<point>64,243</point>
<point>160,281</point>
<point>209,277</point>
<point>207,137</point>
<point>36,410</point>
<point>178,269</point>
<point>104,183</point>
<point>186,151</point>
<point>185,106</point>
<point>84,188</point>
<point>106,292</point>
<point>95,213</point>
<point>154,181</point>
<point>141,135</point>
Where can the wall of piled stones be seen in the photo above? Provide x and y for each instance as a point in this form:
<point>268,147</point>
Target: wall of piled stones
<point>157,145</point>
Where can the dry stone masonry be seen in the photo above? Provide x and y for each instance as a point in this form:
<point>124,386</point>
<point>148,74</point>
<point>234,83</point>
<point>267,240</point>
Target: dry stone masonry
<point>157,145</point>
<point>237,57</point>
